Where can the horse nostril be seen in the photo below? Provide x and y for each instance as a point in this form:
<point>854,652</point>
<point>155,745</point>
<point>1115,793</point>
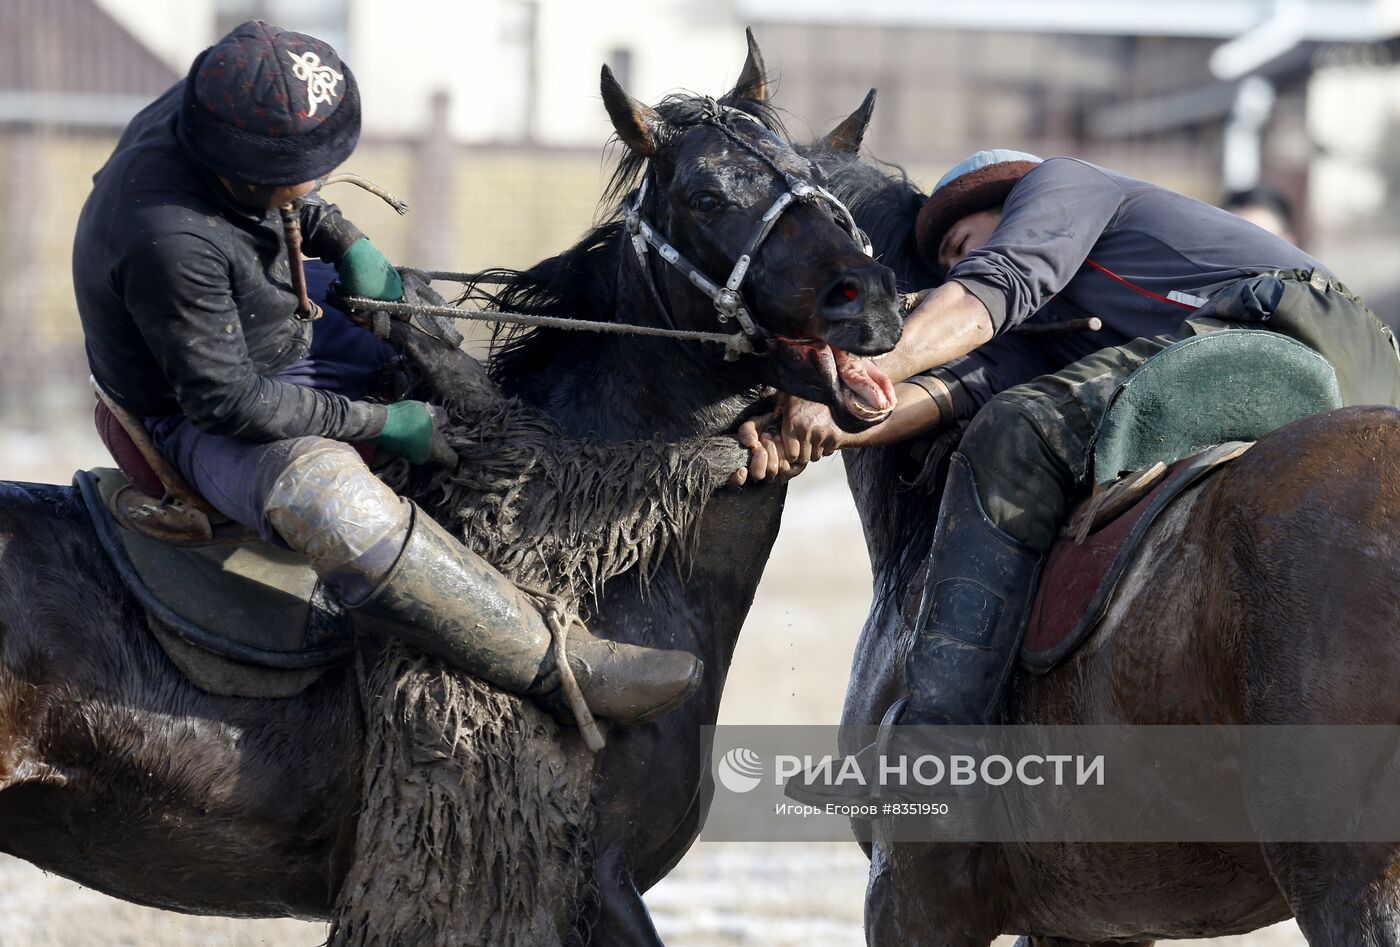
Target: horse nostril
<point>841,295</point>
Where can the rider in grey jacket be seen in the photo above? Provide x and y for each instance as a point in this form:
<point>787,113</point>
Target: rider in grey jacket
<point>1025,240</point>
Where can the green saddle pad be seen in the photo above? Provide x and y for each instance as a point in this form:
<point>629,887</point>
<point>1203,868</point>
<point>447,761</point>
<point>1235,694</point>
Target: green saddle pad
<point>1227,385</point>
<point>236,596</point>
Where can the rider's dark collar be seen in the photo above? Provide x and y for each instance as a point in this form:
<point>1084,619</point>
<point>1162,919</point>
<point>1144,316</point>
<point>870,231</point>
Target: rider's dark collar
<point>218,193</point>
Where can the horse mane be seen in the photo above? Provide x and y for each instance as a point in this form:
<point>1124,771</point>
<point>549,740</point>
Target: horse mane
<point>557,513</point>
<point>581,282</point>
<point>885,203</point>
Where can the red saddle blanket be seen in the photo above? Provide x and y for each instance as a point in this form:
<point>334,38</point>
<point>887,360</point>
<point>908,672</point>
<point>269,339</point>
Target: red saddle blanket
<point>1079,579</point>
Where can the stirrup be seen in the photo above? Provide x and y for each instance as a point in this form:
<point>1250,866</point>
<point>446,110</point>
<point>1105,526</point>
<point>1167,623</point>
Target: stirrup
<point>884,735</point>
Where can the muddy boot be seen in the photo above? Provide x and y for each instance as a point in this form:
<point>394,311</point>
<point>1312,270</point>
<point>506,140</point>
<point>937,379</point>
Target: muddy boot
<point>448,602</point>
<point>977,599</point>
<point>977,596</point>
<point>406,577</point>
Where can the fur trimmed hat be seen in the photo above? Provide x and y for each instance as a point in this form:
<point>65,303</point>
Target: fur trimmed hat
<point>981,182</point>
<point>270,107</point>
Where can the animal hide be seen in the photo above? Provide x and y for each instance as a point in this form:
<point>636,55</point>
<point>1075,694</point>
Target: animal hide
<point>476,808</point>
<point>475,817</point>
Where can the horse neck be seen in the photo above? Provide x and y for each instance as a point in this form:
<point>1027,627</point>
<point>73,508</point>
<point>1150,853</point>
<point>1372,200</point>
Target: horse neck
<point>634,387</point>
<point>639,387</point>
<point>897,521</point>
<point>896,517</point>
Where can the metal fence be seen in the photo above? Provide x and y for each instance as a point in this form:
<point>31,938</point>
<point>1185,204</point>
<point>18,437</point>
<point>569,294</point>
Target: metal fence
<point>70,78</point>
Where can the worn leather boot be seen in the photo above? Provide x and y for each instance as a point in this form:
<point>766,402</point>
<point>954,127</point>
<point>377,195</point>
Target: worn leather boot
<point>976,601</point>
<point>977,596</point>
<point>448,602</point>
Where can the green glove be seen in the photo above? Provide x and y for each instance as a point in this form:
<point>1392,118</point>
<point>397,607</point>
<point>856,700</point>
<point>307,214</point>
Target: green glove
<point>413,431</point>
<point>365,272</point>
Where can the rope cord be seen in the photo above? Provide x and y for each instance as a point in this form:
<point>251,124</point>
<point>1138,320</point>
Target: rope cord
<point>736,343</point>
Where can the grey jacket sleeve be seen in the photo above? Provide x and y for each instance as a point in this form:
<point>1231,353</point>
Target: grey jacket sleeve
<point>183,307</point>
<point>1051,220</point>
<point>1002,363</point>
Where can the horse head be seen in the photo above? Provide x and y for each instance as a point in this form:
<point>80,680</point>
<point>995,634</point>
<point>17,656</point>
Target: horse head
<point>732,227</point>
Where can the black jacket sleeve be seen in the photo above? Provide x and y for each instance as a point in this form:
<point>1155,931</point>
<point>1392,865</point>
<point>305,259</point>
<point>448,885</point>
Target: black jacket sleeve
<point>1051,221</point>
<point>325,233</point>
<point>180,298</point>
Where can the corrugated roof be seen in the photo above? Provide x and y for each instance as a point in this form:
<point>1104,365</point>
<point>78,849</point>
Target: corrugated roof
<point>74,47</point>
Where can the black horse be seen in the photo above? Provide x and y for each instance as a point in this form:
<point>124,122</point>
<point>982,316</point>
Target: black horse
<point>118,773</point>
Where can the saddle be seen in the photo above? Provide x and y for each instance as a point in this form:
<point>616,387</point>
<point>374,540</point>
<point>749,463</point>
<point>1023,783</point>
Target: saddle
<point>1181,416</point>
<point>237,615</point>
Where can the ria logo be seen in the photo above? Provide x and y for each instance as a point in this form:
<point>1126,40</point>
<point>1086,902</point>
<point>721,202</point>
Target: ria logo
<point>740,770</point>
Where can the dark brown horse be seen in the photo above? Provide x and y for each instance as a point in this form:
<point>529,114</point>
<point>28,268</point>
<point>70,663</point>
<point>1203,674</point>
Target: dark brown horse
<point>118,773</point>
<point>1268,595</point>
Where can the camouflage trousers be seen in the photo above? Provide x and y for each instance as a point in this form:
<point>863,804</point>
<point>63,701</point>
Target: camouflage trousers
<point>1031,446</point>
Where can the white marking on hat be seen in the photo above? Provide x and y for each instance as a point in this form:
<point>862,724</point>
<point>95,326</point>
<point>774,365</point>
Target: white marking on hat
<point>320,79</point>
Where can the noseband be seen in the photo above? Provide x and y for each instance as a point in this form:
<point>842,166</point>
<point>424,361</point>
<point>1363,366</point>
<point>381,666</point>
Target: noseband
<point>727,298</point>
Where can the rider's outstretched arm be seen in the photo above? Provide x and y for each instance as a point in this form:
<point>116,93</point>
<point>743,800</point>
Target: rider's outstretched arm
<point>917,411</point>
<point>949,322</point>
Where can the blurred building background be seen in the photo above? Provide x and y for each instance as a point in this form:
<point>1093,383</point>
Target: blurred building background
<point>485,115</point>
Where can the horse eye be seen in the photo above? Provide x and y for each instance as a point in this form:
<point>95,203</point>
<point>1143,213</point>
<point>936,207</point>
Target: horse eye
<point>706,202</point>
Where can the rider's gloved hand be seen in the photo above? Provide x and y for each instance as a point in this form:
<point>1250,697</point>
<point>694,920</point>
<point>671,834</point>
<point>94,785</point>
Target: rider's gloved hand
<point>414,431</point>
<point>364,271</point>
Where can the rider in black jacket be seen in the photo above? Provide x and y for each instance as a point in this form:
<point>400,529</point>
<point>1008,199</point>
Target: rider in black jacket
<point>185,289</point>
<point>179,282</point>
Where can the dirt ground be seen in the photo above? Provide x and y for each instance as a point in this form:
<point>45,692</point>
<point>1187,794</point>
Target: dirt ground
<point>790,667</point>
<point>730,895</point>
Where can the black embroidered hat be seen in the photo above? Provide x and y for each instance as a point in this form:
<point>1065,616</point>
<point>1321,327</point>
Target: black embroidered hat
<point>270,107</point>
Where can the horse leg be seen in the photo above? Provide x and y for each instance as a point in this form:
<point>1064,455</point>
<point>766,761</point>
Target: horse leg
<point>1341,895</point>
<point>622,919</point>
<point>1059,942</point>
<point>926,896</point>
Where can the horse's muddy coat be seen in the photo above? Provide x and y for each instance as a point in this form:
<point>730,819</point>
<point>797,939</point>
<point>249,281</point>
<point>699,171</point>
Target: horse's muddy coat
<point>1269,595</point>
<point>120,775</point>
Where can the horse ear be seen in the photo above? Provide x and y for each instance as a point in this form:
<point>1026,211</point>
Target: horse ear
<point>639,126</point>
<point>847,136</point>
<point>753,80</point>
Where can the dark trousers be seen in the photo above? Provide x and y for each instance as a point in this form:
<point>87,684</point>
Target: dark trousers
<point>1031,447</point>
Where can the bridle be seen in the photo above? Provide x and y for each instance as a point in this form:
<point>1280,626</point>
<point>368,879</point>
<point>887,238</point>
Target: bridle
<point>752,339</point>
<point>727,297</point>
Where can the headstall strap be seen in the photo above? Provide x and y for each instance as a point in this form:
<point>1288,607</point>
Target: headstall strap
<point>727,298</point>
